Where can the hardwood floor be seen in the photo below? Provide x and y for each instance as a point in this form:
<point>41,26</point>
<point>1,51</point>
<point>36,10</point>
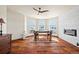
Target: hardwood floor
<point>42,46</point>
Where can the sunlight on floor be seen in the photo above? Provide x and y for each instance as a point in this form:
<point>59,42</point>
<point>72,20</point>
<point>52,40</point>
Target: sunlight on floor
<point>55,39</point>
<point>41,36</point>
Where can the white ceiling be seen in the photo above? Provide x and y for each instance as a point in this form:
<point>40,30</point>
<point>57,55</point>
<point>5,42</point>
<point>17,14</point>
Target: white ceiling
<point>54,10</point>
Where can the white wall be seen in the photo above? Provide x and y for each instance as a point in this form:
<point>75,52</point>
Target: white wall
<point>15,24</point>
<point>3,14</point>
<point>69,20</point>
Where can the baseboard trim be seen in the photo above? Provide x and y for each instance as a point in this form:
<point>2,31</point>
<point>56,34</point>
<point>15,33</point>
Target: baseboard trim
<point>16,39</point>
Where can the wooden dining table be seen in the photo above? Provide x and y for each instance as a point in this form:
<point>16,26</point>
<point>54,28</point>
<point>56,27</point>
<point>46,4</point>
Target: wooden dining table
<point>48,34</point>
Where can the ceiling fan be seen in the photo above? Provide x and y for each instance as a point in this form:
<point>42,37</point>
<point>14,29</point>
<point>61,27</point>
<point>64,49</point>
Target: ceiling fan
<point>40,11</point>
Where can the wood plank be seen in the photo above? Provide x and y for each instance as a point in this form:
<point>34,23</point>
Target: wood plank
<point>56,46</point>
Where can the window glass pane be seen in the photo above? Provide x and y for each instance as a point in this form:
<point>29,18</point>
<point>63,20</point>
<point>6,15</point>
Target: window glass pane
<point>52,25</point>
<point>31,24</point>
<point>41,25</point>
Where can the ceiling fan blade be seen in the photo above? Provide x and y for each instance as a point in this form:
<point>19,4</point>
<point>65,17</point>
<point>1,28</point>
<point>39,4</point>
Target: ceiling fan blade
<point>35,9</point>
<point>45,11</point>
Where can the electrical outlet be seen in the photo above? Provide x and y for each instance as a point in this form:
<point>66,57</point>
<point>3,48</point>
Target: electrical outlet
<point>77,44</point>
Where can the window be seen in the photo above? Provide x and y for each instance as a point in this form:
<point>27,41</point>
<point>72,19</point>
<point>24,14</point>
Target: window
<point>31,25</point>
<point>52,25</point>
<point>41,24</point>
